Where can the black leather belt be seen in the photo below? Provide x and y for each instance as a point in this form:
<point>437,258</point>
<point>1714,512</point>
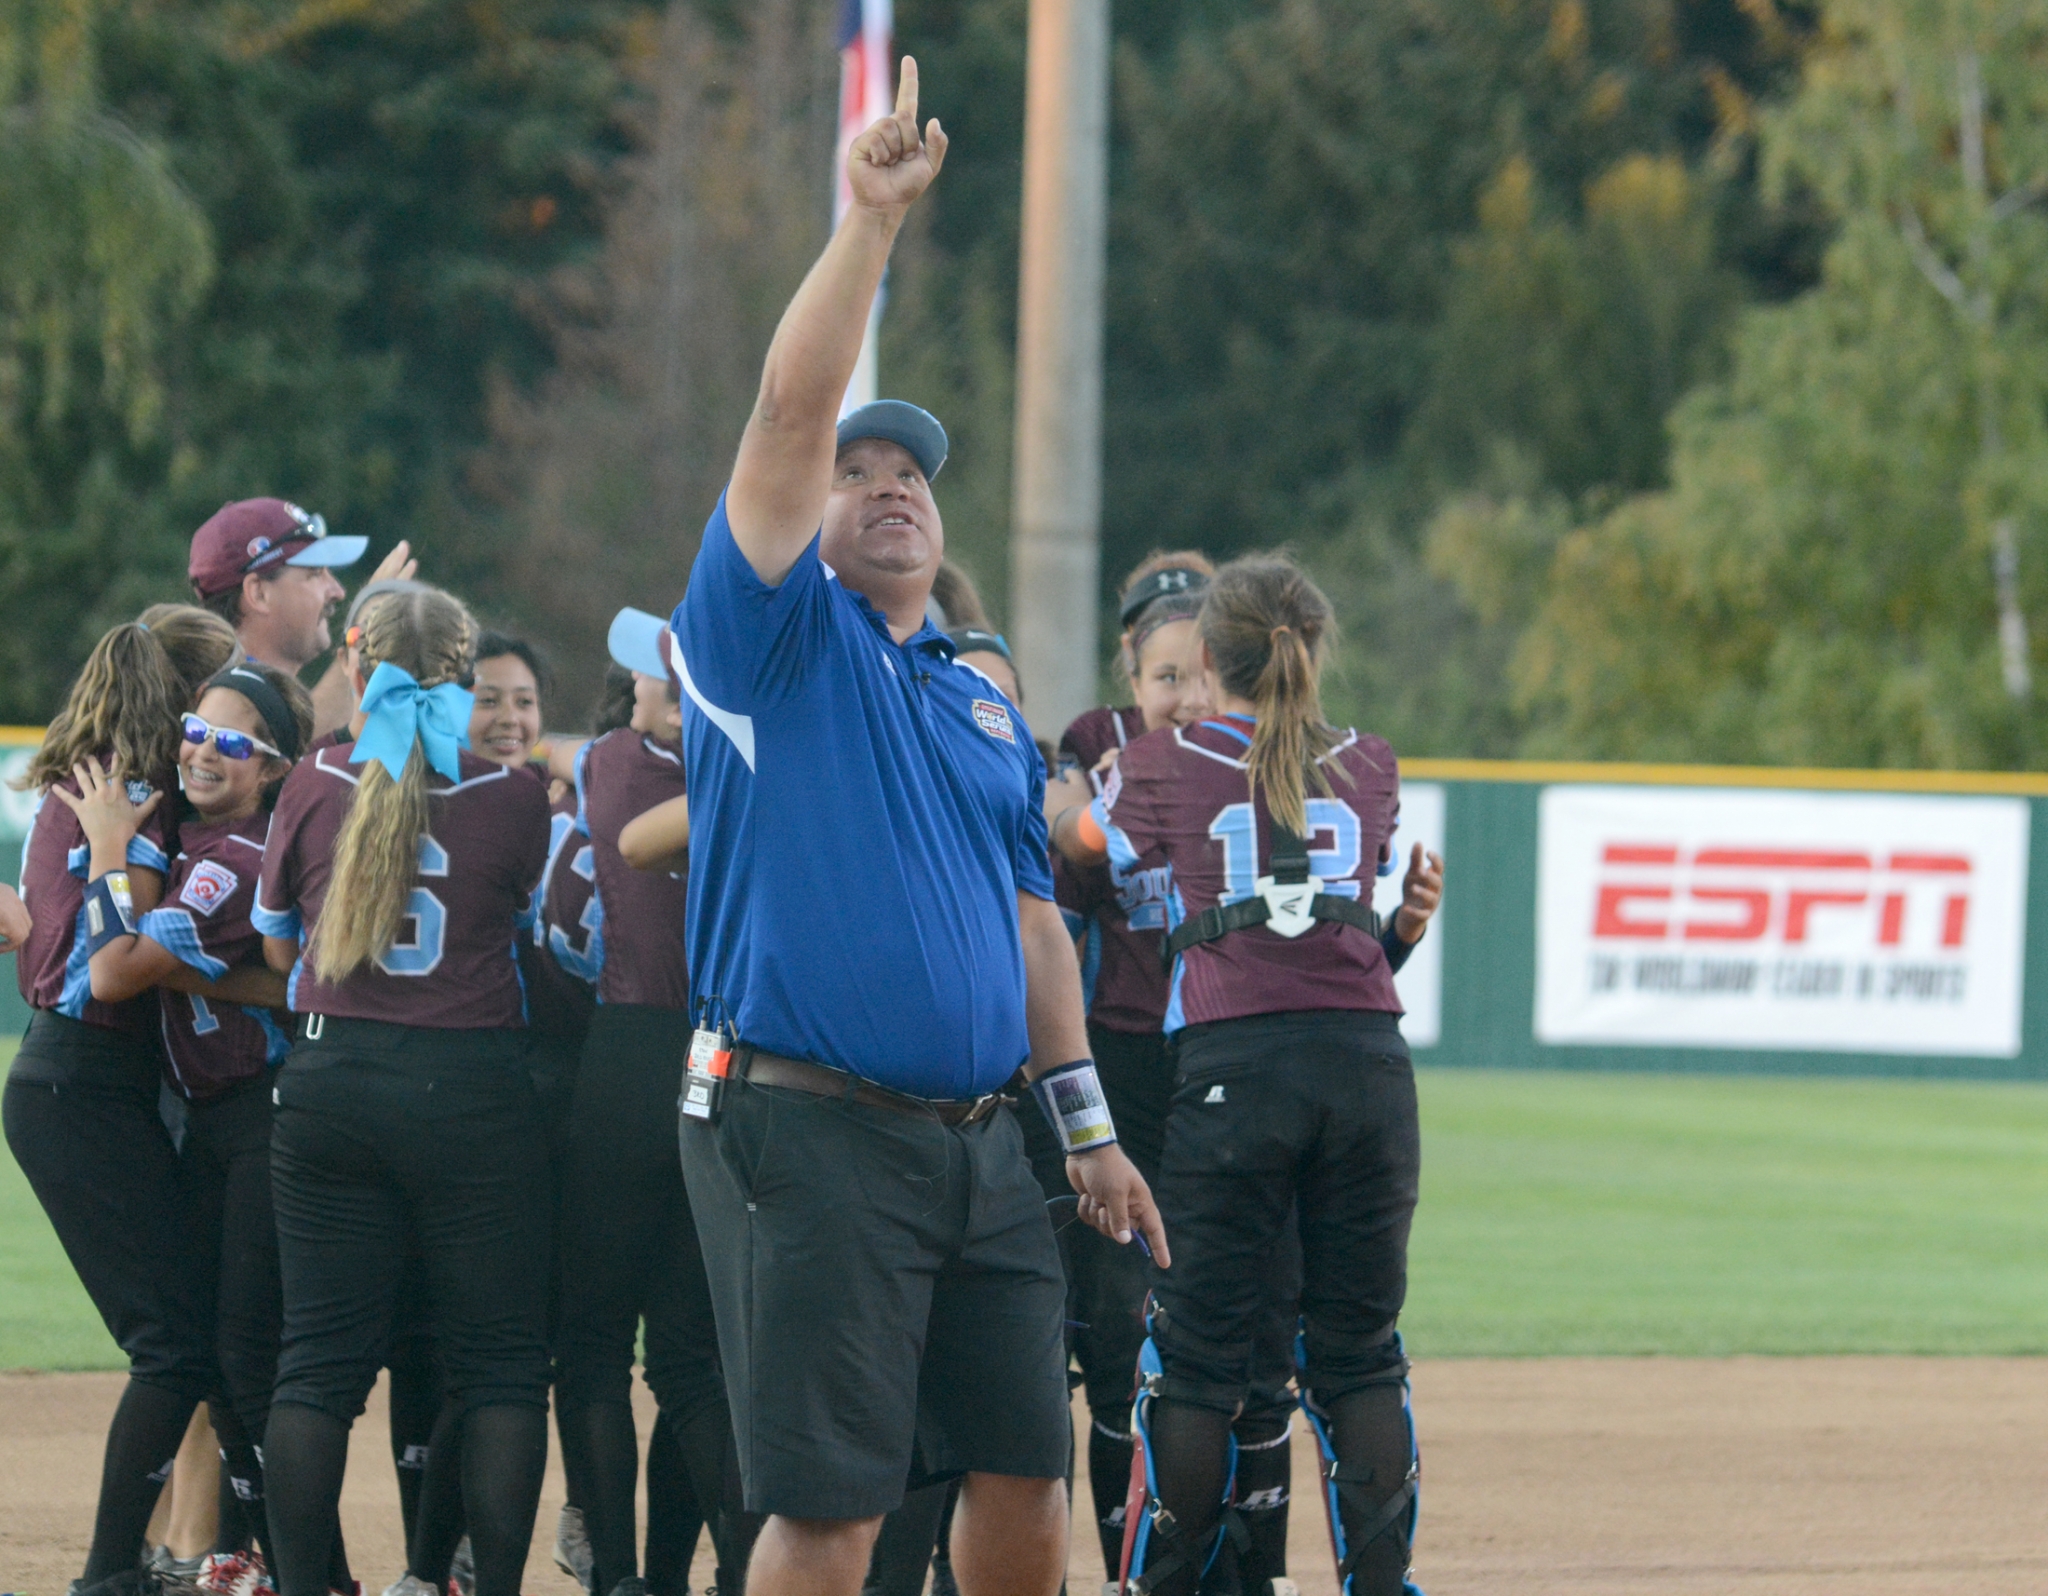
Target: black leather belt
<point>819,1080</point>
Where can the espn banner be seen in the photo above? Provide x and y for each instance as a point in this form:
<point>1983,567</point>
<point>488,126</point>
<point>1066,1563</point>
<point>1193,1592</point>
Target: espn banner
<point>1797,921</point>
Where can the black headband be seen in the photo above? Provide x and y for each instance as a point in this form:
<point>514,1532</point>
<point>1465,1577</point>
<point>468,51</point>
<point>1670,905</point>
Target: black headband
<point>1174,579</point>
<point>256,687</point>
<point>973,640</point>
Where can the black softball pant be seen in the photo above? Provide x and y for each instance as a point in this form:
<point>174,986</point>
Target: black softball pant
<point>1106,1287</point>
<point>629,1243</point>
<point>225,1168</point>
<point>629,1253</point>
<point>81,1121</point>
<point>390,1139</point>
<point>1308,1117</point>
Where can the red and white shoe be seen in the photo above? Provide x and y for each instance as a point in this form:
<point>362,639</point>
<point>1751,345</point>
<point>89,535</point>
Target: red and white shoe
<point>235,1574</point>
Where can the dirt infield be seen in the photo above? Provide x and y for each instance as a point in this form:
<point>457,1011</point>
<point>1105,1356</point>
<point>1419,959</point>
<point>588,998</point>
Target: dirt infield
<point>1801,1477</point>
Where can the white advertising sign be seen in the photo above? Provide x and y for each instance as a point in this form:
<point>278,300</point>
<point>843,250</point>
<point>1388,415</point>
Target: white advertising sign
<point>1701,917</point>
<point>1421,980</point>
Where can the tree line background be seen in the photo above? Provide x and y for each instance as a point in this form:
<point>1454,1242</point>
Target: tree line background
<point>1655,379</point>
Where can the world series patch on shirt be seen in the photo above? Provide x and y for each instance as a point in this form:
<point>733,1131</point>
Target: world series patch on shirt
<point>209,886</point>
<point>993,719</point>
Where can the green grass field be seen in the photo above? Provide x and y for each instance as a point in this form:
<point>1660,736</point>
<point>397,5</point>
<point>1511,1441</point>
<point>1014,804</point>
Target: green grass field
<point>1602,1214</point>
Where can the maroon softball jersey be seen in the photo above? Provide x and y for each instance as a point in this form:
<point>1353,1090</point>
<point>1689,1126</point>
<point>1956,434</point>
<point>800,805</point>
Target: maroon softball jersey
<point>1179,802</point>
<point>558,997</point>
<point>642,956</point>
<point>452,967</point>
<point>571,924</point>
<point>209,1045</point>
<point>1096,731</point>
<point>1126,910</point>
<point>55,867</point>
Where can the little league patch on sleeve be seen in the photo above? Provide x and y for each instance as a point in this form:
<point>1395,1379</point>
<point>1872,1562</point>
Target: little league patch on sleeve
<point>993,719</point>
<point>209,886</point>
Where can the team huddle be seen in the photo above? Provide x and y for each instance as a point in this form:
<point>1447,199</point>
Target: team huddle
<point>807,1030</point>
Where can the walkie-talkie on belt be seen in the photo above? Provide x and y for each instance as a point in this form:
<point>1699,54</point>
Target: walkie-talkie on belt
<point>711,1046</point>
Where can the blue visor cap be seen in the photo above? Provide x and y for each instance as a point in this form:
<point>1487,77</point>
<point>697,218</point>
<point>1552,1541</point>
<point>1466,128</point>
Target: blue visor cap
<point>344,549</point>
<point>891,419</point>
<point>635,642</point>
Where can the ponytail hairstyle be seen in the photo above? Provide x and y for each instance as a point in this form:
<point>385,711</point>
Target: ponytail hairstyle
<point>615,704</point>
<point>1266,626</point>
<point>140,677</point>
<point>431,637</point>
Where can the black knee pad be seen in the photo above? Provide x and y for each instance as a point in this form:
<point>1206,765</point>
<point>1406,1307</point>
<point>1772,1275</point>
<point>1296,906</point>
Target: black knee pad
<point>1196,1370</point>
<point>1339,1361</point>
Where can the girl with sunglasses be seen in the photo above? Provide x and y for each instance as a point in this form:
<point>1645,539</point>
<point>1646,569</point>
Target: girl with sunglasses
<point>237,748</point>
<point>81,1099</point>
<point>398,873</point>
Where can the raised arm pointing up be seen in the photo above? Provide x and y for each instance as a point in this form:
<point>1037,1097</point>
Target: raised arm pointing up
<point>784,471</point>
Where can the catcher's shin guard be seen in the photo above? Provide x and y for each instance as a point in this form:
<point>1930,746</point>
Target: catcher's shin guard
<point>1156,1546</point>
<point>1372,1511</point>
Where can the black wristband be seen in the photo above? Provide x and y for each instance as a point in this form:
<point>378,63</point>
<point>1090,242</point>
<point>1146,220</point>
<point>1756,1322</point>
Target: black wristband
<point>109,910</point>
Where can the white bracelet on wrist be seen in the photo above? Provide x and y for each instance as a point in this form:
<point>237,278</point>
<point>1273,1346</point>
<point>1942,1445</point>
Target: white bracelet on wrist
<point>1072,1100</point>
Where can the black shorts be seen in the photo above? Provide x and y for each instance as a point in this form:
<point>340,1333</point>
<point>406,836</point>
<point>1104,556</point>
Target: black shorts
<point>888,1296</point>
<point>1303,1119</point>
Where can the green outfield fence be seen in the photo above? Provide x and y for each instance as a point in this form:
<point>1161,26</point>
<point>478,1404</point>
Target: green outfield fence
<point>1675,917</point>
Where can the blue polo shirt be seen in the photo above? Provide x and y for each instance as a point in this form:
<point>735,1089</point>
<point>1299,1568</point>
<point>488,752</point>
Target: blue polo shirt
<point>863,814</point>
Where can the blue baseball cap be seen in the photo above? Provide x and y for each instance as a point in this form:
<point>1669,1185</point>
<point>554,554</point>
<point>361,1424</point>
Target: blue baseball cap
<point>639,642</point>
<point>900,423</point>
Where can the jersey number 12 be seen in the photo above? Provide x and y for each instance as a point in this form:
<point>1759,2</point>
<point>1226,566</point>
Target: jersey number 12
<point>1237,828</point>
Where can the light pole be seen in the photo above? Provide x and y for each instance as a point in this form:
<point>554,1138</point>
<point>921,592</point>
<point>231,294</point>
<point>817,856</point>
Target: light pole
<point>1056,495</point>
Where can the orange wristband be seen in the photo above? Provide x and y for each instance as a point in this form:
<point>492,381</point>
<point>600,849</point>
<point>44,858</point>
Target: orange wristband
<point>1090,832</point>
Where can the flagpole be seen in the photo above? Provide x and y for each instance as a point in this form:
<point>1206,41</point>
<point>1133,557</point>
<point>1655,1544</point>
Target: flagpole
<point>1056,495</point>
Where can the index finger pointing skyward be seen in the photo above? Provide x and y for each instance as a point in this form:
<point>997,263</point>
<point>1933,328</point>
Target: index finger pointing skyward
<point>906,95</point>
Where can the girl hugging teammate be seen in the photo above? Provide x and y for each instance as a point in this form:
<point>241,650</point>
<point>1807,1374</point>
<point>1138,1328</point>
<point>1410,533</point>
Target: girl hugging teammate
<point>398,873</point>
<point>250,725</point>
<point>1294,1098</point>
<point>81,1099</point>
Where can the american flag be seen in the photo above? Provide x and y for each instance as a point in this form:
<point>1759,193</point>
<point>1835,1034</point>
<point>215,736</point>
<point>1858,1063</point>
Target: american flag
<point>867,92</point>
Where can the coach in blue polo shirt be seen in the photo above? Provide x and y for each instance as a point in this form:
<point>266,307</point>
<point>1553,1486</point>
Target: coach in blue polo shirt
<point>871,918</point>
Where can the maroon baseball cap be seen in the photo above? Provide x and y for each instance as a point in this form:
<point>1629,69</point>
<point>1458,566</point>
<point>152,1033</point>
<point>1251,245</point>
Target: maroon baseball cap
<point>254,534</point>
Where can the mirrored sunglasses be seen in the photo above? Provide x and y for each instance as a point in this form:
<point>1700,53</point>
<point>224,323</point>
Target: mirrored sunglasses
<point>231,743</point>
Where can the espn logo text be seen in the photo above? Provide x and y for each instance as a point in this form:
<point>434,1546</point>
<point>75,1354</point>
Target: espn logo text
<point>1781,919</point>
<point>1850,901</point>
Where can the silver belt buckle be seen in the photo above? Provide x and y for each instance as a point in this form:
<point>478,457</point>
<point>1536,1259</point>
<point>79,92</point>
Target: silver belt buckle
<point>984,1105</point>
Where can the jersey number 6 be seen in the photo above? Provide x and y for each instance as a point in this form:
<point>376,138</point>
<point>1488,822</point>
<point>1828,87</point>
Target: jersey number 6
<point>429,917</point>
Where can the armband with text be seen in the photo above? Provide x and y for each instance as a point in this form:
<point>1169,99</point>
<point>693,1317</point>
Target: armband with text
<point>1071,1097</point>
<point>109,910</point>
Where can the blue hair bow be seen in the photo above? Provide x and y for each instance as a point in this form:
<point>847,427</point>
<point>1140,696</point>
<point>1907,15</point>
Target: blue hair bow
<point>397,710</point>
